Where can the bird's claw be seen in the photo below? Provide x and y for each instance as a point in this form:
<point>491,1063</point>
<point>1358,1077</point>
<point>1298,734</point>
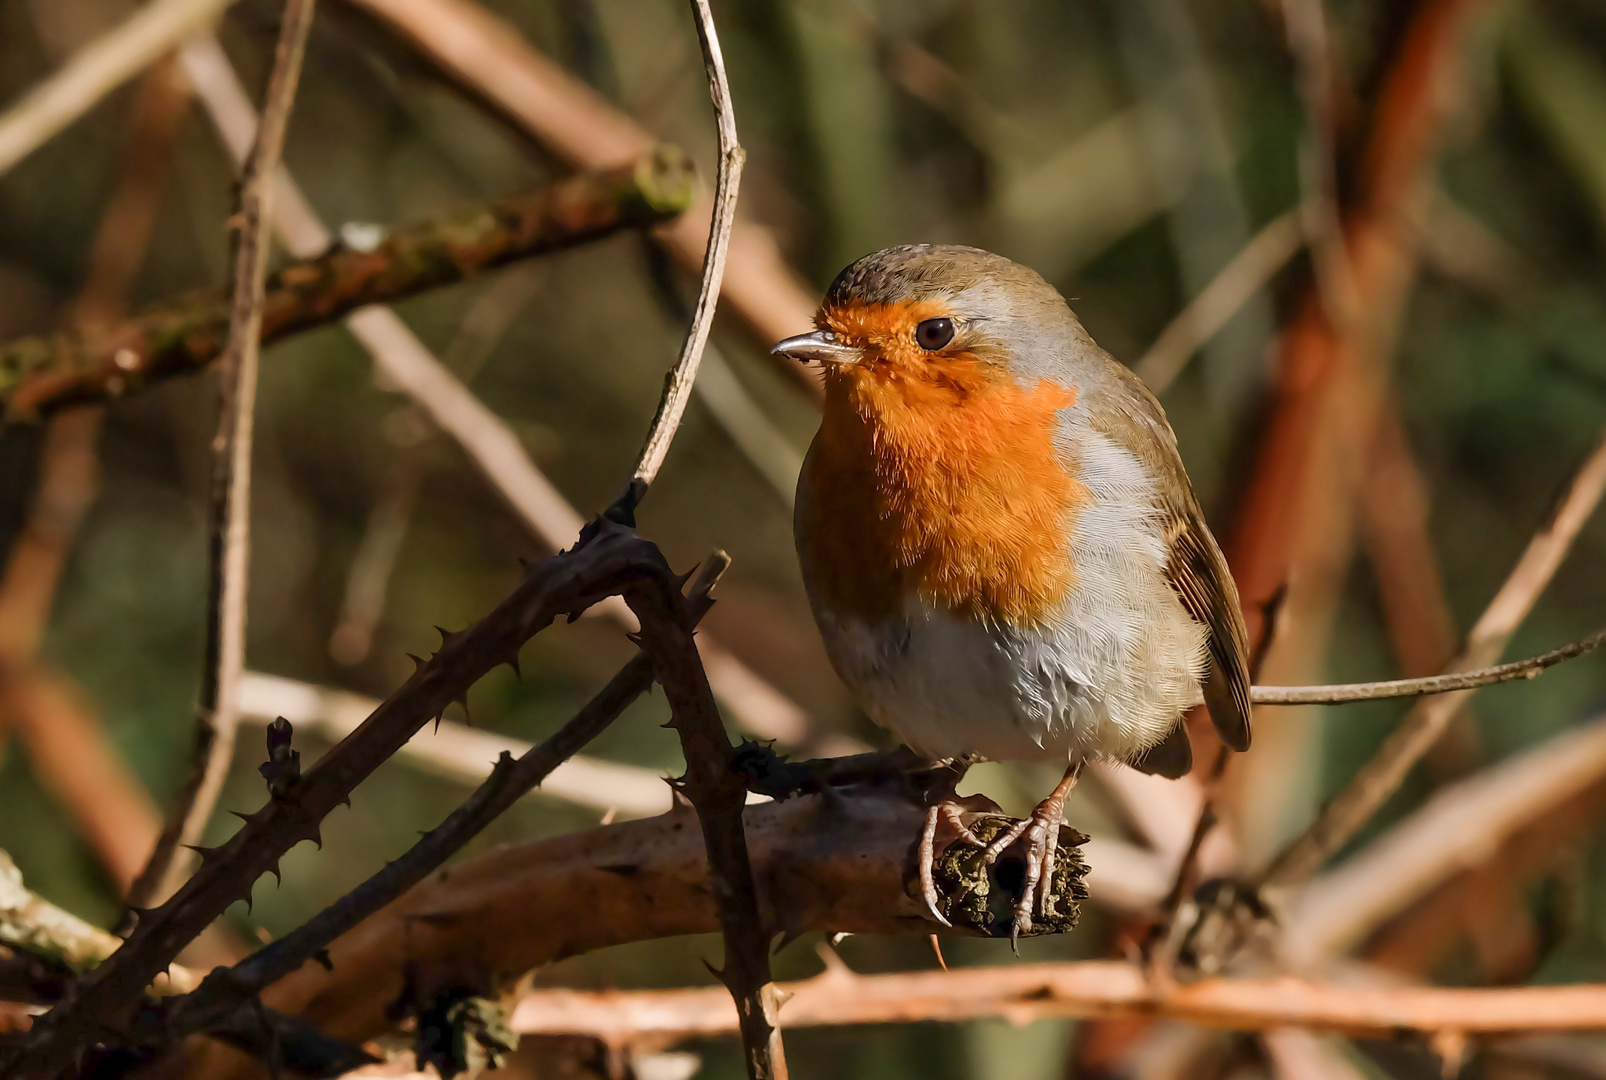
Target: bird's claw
<point>943,812</point>
<point>1039,836</point>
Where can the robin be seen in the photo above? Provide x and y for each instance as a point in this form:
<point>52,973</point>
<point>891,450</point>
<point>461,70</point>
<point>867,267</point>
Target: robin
<point>1000,545</point>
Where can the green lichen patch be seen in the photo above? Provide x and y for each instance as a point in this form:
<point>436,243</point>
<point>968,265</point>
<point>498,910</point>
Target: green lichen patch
<point>981,897</point>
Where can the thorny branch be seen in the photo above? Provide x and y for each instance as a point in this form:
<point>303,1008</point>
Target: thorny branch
<point>230,498</point>
<point>228,990</point>
<point>106,997</point>
<point>39,375</point>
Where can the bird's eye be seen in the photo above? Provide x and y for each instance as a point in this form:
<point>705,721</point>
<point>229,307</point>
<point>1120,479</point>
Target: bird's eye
<point>933,334</point>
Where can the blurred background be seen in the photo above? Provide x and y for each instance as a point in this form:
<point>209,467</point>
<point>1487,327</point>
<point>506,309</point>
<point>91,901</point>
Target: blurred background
<point>1127,149</point>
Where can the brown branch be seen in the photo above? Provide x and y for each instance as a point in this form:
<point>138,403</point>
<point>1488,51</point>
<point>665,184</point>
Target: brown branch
<point>1022,993</point>
<point>1382,775</point>
<point>1339,693</point>
<point>41,374</point>
<point>678,383</point>
<point>105,998</point>
<point>831,864</point>
<point>229,505</point>
<point>491,58</point>
<point>98,69</point>
<point>1459,828</point>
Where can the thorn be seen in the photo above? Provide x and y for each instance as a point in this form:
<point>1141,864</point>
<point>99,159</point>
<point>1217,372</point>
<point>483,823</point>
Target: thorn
<point>716,973</point>
<point>322,956</point>
<point>936,947</point>
<point>467,719</point>
<point>513,662</point>
<point>277,880</point>
<point>636,640</point>
<point>418,662</point>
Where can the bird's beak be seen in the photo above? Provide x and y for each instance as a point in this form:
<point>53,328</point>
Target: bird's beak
<point>821,345</point>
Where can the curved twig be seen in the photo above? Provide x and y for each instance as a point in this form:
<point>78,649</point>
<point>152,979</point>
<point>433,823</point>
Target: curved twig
<point>1339,693</point>
<point>678,383</point>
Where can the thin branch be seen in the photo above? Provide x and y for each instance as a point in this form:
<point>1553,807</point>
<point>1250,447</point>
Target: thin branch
<point>1339,693</point>
<point>1215,305</point>
<point>718,794</point>
<point>678,383</point>
<point>42,374</point>
<point>455,751</point>
<point>484,436</point>
<point>227,991</point>
<point>1090,988</point>
<point>98,69</point>
<point>1382,775</point>
<point>488,55</point>
<point>1457,829</point>
<point>106,998</point>
<point>230,503</point>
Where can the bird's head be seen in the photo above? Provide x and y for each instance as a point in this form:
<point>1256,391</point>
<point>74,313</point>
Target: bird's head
<point>939,321</point>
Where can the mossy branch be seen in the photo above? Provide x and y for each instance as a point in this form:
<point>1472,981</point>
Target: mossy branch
<point>40,375</point>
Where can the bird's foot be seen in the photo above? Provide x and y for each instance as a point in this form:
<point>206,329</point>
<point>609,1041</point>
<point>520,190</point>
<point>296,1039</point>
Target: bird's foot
<point>945,820</point>
<point>1038,837</point>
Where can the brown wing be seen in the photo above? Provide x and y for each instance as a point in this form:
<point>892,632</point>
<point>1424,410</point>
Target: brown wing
<point>1198,571</point>
<point>1196,567</point>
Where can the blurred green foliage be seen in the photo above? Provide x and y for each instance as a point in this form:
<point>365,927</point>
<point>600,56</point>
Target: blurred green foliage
<point>1124,148</point>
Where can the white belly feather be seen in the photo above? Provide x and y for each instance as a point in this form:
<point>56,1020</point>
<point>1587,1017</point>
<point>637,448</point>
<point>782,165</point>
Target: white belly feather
<point>1108,675</point>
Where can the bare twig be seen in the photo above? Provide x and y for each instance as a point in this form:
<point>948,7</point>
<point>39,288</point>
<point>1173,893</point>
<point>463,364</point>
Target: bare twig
<point>1091,988</point>
<point>492,445</point>
<point>105,999</point>
<point>1383,774</point>
<point>98,69</point>
<point>1339,693</point>
<point>226,991</point>
<point>230,502</point>
<point>41,374</point>
<point>1233,286</point>
<point>1456,830</point>
<point>455,751</point>
<point>678,383</point>
<point>488,55</point>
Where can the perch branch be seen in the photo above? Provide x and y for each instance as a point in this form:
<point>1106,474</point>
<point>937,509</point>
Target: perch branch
<point>104,999</point>
<point>678,383</point>
<point>1422,726</point>
<point>1022,993</point>
<point>38,375</point>
<point>824,864</point>
<point>1339,693</point>
<point>229,506</point>
<point>98,69</point>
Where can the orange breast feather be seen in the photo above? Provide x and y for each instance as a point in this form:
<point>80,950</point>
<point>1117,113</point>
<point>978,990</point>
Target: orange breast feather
<point>940,476</point>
